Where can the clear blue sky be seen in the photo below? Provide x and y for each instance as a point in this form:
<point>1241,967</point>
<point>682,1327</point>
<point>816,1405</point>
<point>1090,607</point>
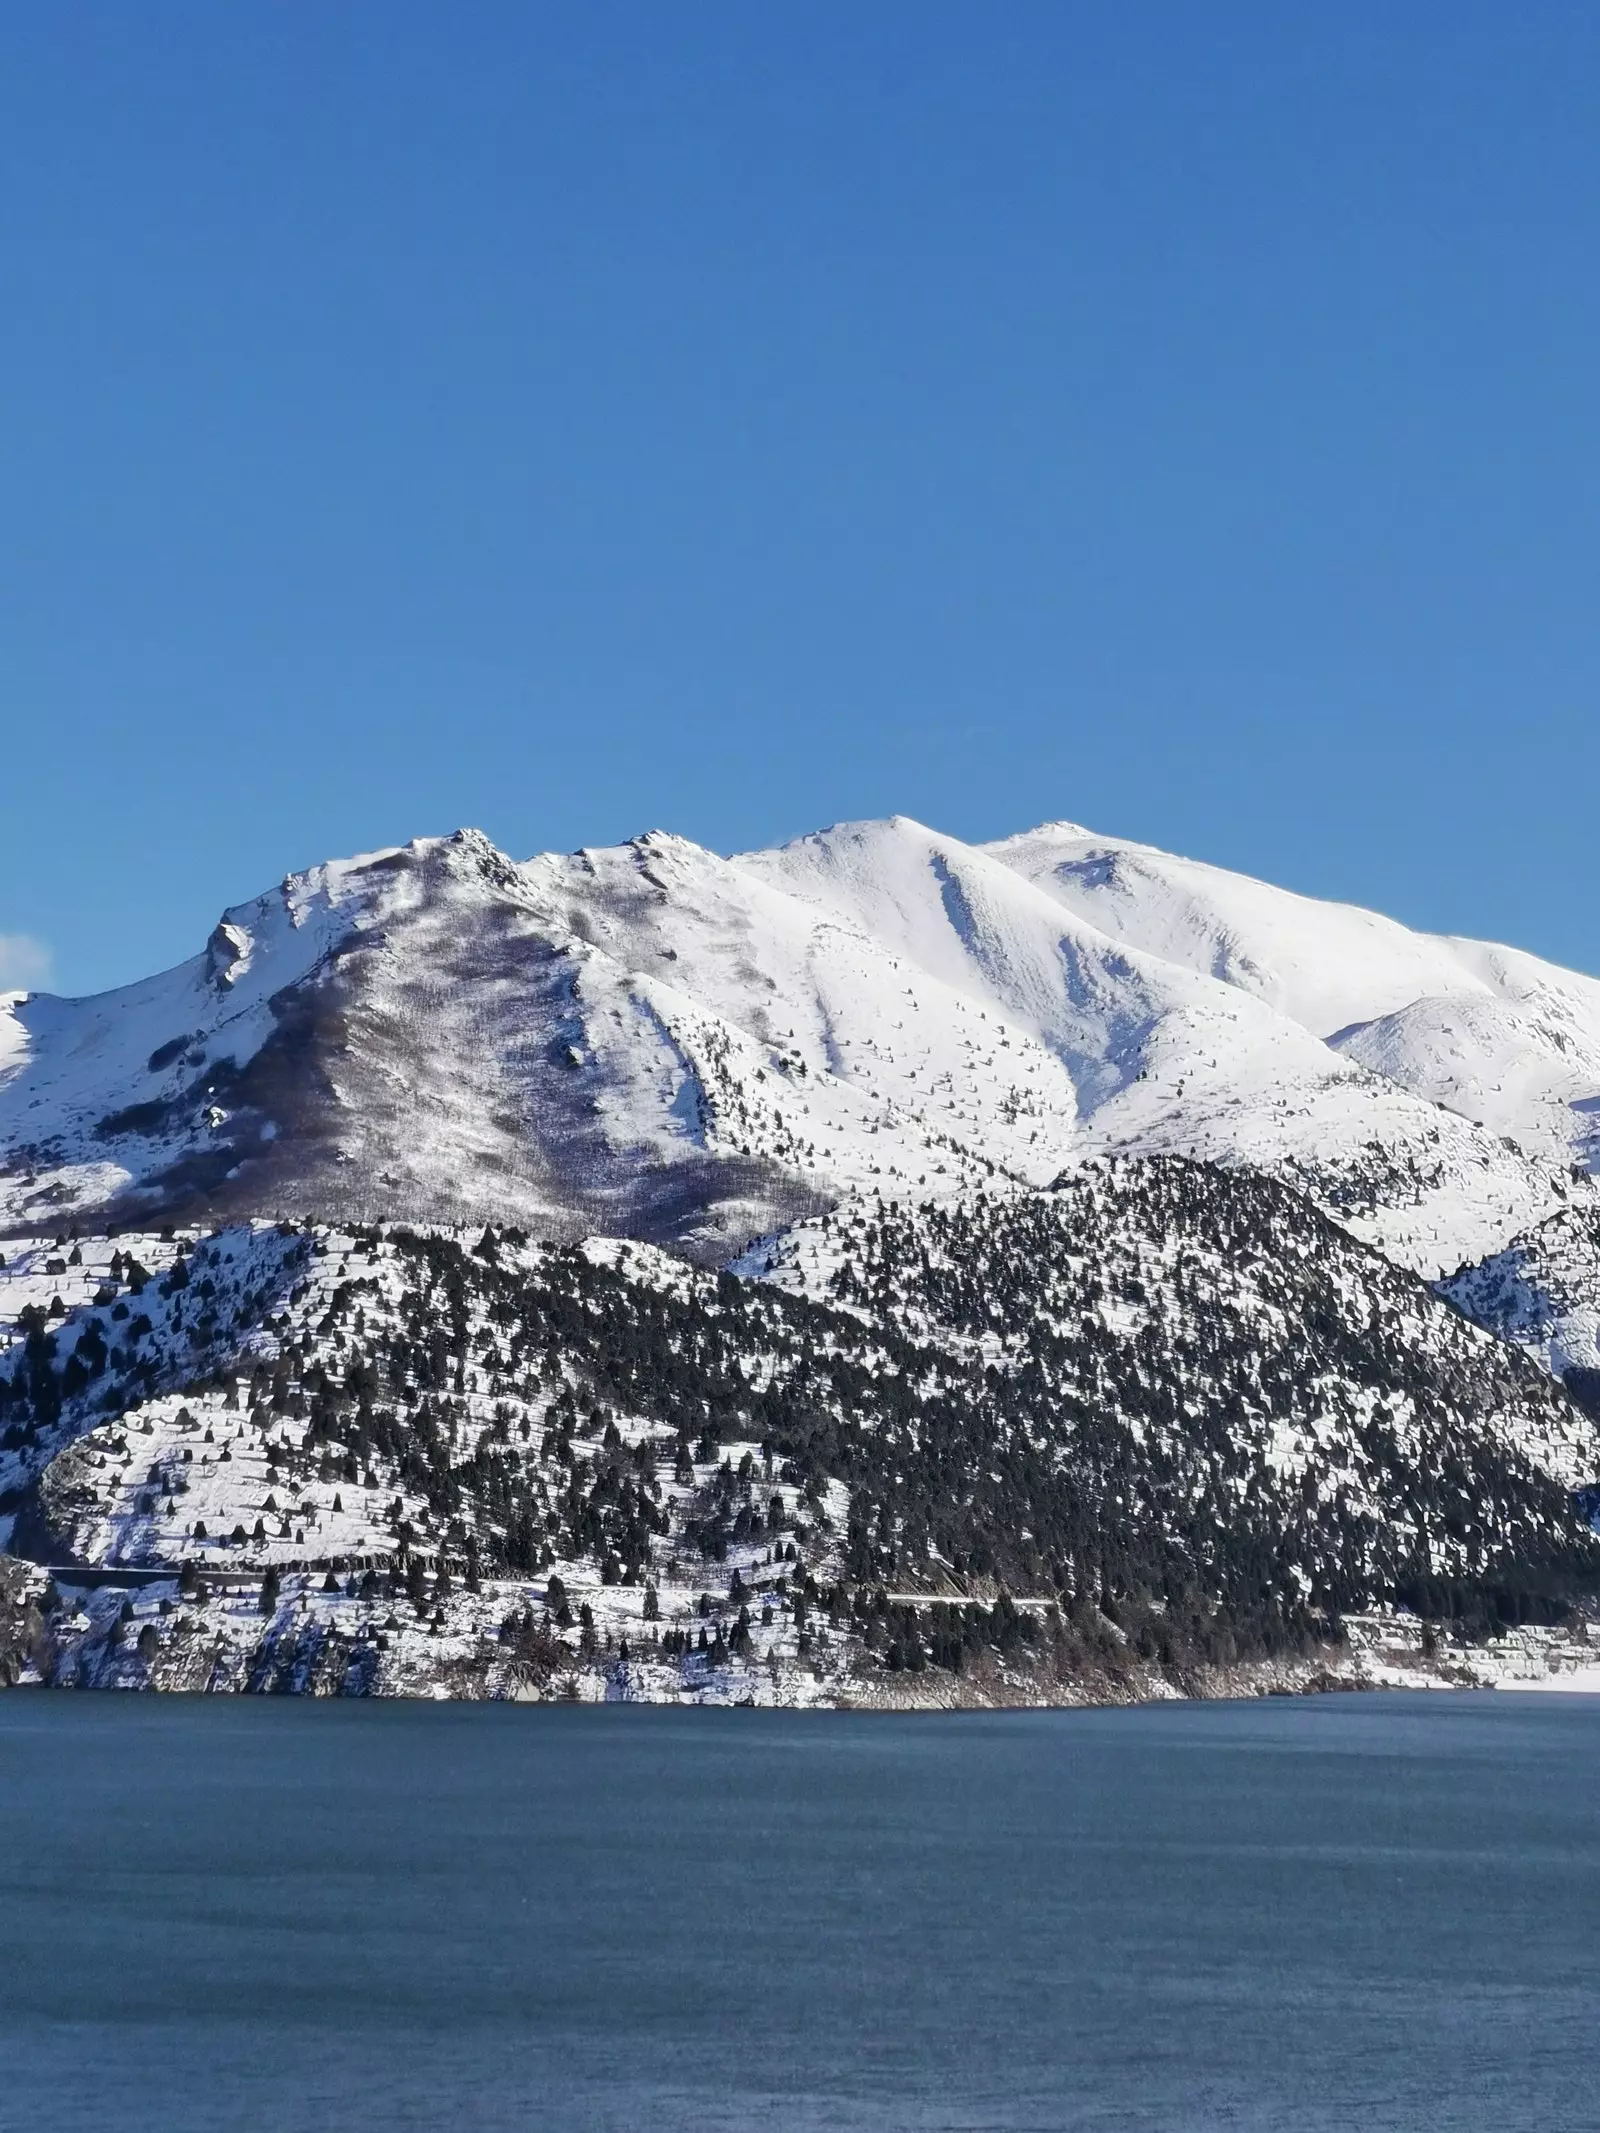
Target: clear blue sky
<point>578,420</point>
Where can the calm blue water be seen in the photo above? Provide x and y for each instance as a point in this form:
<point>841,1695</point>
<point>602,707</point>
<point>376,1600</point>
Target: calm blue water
<point>1364,1913</point>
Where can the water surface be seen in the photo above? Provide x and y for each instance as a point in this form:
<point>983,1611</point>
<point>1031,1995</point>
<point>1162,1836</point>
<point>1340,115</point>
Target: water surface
<point>1351,1913</point>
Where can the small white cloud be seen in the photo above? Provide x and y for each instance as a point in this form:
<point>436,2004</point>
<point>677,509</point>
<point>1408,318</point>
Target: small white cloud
<point>24,963</point>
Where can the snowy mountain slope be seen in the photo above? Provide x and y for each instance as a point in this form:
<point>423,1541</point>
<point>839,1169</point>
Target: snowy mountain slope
<point>1502,1038</point>
<point>78,1078</point>
<point>947,910</point>
<point>1168,1258</point>
<point>637,1041</point>
<point>1096,1441</point>
<point>1542,1293</point>
<point>657,1042</point>
<point>114,1322</point>
<point>1166,1053</point>
<point>1529,1071</point>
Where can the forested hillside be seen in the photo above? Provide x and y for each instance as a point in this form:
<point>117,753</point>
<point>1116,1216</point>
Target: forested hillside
<point>1161,1419</point>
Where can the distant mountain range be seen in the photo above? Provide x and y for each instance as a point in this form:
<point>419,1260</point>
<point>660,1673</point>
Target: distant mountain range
<point>1099,1087</point>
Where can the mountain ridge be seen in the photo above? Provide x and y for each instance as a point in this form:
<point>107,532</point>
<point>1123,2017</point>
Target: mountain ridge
<point>652,1040</point>
<point>876,1269</point>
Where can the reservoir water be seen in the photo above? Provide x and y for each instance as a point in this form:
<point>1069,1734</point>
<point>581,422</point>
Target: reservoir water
<point>1350,1913</point>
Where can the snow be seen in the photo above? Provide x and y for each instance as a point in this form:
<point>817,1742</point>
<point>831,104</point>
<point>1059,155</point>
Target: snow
<point>208,1477</point>
<point>1496,1035</point>
<point>164,1334</point>
<point>207,1448</point>
<point>654,1041</point>
<point>682,1061</point>
<point>1542,1292</point>
<point>1573,1681</point>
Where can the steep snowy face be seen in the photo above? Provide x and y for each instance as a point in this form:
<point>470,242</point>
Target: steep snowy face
<point>1495,1035</point>
<point>1543,1293</point>
<point>88,1087</point>
<point>655,1042</point>
<point>1167,1049</point>
<point>1324,965</point>
<point>836,1024</point>
<point>1142,1038</point>
<point>947,910</point>
<point>644,1041</point>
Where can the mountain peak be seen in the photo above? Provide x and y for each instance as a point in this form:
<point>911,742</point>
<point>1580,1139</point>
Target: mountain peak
<point>651,1040</point>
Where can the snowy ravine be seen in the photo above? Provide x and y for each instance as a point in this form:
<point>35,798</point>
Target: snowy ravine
<point>877,1270</point>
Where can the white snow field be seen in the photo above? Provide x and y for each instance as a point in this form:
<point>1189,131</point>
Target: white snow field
<point>652,1041</point>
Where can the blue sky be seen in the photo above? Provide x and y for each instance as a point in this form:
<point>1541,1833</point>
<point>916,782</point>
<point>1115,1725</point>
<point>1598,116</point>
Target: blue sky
<point>579,420</point>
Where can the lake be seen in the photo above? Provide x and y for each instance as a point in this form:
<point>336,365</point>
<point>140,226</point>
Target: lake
<point>1347,1912</point>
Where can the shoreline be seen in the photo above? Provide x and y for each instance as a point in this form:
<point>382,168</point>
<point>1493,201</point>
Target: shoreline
<point>1383,1653</point>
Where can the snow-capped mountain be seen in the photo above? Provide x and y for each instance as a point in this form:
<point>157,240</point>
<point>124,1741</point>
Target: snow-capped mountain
<point>982,1328</point>
<point>658,1042</point>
